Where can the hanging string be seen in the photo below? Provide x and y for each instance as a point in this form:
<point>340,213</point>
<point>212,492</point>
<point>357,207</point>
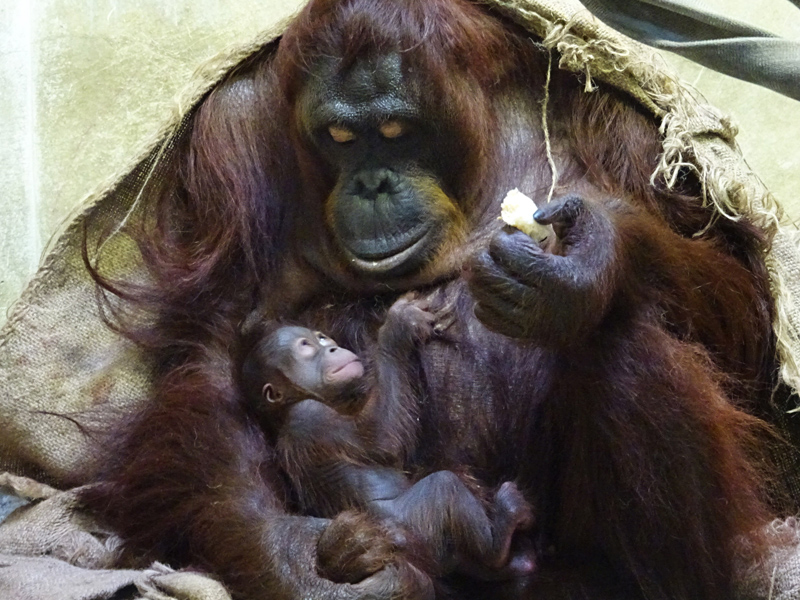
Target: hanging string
<point>548,149</point>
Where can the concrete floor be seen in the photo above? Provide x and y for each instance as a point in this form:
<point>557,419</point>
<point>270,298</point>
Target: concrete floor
<point>82,82</point>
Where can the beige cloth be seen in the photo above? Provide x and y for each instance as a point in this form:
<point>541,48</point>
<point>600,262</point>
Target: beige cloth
<point>44,578</point>
<point>51,550</point>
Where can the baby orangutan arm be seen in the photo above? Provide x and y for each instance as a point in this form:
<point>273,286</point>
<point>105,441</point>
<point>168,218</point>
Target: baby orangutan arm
<point>389,418</point>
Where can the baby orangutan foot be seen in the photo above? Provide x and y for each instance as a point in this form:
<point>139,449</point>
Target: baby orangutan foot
<point>513,514</point>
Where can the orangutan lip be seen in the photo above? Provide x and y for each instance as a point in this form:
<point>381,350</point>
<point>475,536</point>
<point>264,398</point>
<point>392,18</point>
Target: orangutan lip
<point>345,365</point>
<point>412,236</point>
<point>393,261</point>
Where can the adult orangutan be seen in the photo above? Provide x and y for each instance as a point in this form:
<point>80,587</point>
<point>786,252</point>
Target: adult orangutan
<point>365,154</point>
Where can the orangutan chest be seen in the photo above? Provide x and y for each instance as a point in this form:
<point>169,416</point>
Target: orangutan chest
<point>479,401</point>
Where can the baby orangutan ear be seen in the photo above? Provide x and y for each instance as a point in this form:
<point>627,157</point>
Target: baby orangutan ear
<point>270,394</point>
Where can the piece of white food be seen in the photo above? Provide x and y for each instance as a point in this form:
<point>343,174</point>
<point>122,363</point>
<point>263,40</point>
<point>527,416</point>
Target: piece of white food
<point>517,210</point>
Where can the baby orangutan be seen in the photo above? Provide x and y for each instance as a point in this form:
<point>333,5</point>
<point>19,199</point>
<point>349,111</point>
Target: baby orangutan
<point>343,443</point>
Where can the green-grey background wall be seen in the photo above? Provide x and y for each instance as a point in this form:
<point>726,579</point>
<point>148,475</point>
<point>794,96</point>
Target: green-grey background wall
<point>83,82</point>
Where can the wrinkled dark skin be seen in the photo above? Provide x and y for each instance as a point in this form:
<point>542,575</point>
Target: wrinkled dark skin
<point>554,295</point>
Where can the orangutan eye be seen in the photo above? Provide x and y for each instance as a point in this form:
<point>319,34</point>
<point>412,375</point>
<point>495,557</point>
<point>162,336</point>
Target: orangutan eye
<point>392,129</point>
<point>341,135</point>
<point>306,348</point>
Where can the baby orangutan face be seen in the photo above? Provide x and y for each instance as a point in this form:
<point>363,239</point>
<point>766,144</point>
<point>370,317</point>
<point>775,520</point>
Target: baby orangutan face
<point>311,364</point>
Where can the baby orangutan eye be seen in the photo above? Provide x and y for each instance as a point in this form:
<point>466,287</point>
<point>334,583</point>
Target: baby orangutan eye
<point>305,348</point>
<point>341,135</point>
<point>324,340</point>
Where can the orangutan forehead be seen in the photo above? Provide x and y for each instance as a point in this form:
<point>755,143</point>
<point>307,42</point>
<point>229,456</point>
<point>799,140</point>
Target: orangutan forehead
<point>373,89</point>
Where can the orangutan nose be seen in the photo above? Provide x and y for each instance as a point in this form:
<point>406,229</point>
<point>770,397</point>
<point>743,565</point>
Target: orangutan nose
<point>370,184</point>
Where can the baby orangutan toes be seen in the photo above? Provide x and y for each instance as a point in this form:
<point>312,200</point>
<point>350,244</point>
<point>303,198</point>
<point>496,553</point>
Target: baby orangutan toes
<point>513,515</point>
<point>356,545</point>
<point>512,504</point>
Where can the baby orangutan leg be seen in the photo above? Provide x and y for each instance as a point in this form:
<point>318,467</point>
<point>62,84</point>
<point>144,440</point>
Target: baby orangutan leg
<point>453,524</point>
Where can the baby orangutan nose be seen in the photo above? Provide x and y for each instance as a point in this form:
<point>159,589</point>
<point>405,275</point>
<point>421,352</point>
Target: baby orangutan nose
<point>342,366</point>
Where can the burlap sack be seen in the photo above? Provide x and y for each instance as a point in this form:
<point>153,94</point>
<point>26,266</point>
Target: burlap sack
<point>58,359</point>
<point>45,578</point>
<point>50,549</point>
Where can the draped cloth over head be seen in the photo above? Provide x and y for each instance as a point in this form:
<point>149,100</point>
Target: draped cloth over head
<point>58,358</point>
